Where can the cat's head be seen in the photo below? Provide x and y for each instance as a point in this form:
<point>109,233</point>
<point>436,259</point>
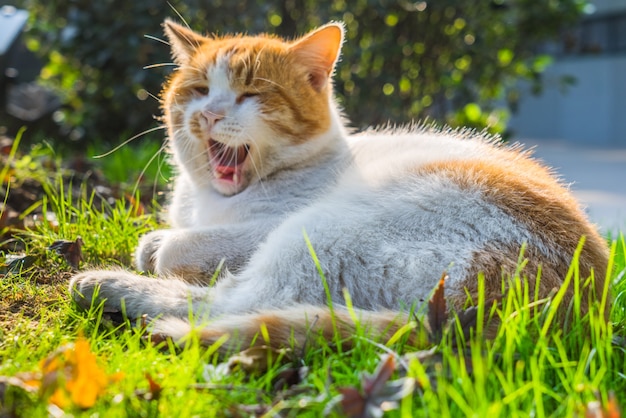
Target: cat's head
<point>239,108</point>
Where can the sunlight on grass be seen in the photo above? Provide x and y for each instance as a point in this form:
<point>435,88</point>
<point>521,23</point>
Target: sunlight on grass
<point>532,367</point>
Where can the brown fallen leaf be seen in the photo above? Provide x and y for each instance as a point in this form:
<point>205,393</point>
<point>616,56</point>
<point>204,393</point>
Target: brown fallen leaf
<point>438,311</point>
<point>258,359</point>
<point>289,377</point>
<point>10,388</point>
<point>595,409</point>
<point>136,206</point>
<point>17,263</point>
<point>153,392</point>
<point>377,393</point>
<point>28,382</point>
<point>70,250</point>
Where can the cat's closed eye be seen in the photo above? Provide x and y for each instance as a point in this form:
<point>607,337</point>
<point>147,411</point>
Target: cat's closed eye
<point>246,95</point>
<point>201,90</point>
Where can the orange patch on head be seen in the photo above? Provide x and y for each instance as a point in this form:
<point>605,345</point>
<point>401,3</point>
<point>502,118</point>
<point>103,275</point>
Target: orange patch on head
<point>290,80</point>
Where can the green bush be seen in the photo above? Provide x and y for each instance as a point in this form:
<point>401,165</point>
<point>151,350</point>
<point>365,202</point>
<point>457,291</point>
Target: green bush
<point>453,61</point>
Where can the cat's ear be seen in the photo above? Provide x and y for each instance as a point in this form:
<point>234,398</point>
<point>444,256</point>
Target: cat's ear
<point>183,41</point>
<point>319,51</point>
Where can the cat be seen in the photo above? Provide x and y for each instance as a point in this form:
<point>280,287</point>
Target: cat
<point>265,162</point>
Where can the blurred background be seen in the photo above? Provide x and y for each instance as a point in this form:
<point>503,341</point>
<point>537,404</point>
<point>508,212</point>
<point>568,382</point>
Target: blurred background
<point>83,76</point>
<point>453,61</point>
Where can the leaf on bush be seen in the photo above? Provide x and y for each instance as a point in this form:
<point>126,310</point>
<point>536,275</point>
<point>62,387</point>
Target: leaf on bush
<point>70,250</point>
<point>438,311</point>
<point>377,394</point>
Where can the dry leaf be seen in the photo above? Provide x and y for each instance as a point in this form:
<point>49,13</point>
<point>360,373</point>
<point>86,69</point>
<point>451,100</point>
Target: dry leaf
<point>437,311</point>
<point>257,359</point>
<point>28,382</point>
<point>70,250</point>
<point>374,383</point>
<point>289,377</point>
<point>137,208</point>
<point>71,376</point>
<point>378,394</point>
<point>9,387</point>
<point>18,263</point>
<point>153,392</point>
<point>594,409</point>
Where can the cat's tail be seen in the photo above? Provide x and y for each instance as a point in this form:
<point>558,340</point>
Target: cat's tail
<point>299,327</point>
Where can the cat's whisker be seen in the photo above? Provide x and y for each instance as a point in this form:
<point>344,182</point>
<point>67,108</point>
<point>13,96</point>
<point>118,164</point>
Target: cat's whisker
<point>190,68</point>
<point>257,62</point>
<point>155,38</point>
<point>269,81</point>
<point>160,65</point>
<point>128,141</point>
<point>255,148</point>
<point>258,174</point>
<point>244,60</point>
<point>155,97</point>
<point>197,43</point>
<point>145,168</point>
<point>188,148</point>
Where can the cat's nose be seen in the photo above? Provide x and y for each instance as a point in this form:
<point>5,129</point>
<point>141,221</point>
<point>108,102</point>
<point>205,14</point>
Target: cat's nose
<point>212,116</point>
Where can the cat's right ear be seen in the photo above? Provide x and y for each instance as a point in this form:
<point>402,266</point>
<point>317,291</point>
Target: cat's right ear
<point>319,51</point>
<point>183,41</point>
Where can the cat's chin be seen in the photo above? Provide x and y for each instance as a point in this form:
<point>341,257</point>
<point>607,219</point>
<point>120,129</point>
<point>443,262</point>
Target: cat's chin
<point>229,186</point>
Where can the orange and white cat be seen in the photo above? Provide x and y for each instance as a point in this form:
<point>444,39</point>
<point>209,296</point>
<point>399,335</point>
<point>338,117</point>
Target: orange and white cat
<point>263,155</point>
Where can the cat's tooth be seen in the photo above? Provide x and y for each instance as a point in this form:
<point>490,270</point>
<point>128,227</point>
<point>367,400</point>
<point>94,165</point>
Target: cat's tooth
<point>235,178</point>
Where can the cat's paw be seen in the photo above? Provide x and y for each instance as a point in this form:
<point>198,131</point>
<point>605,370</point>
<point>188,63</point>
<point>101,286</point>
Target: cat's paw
<point>117,290</point>
<point>146,252</point>
<point>182,256</point>
<point>189,255</point>
<point>85,289</point>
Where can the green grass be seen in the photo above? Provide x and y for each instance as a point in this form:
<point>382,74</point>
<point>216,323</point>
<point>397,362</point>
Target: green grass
<point>529,369</point>
<point>147,165</point>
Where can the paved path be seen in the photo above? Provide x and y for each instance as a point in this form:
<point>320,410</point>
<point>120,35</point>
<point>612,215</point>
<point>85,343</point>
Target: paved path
<point>597,177</point>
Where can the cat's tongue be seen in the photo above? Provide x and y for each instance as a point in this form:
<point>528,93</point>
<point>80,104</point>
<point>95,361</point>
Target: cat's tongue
<point>226,160</point>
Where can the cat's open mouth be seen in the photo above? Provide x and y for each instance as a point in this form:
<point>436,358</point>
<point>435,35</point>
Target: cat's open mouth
<point>227,162</point>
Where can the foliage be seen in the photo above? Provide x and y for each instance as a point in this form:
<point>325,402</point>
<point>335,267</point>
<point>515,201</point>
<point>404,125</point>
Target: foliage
<point>450,60</point>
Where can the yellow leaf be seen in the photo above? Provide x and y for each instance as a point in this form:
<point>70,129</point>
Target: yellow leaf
<point>71,376</point>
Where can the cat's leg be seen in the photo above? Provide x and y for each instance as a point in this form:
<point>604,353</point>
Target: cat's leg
<point>145,253</point>
<point>134,295</point>
<point>197,254</point>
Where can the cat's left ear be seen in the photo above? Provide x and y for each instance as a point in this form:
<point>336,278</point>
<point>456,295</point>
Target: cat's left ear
<point>319,51</point>
<point>183,41</point>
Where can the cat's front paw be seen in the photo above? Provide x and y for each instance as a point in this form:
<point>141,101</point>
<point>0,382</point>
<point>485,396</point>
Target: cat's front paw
<point>117,290</point>
<point>146,252</point>
<point>86,287</point>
